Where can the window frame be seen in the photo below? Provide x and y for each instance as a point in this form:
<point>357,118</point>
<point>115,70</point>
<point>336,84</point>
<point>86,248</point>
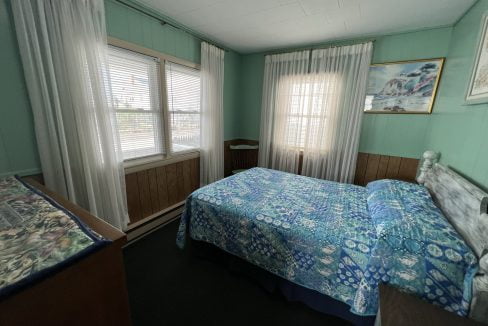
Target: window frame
<point>141,163</point>
<point>310,79</point>
<point>168,113</point>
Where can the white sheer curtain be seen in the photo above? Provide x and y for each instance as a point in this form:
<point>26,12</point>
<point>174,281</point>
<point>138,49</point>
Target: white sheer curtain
<point>212,124</point>
<point>331,150</point>
<point>64,54</point>
<point>284,94</point>
<point>314,114</point>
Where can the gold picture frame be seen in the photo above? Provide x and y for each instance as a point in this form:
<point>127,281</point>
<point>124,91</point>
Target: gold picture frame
<point>403,87</point>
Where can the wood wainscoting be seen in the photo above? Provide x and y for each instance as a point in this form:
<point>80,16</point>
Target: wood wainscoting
<point>239,159</point>
<point>371,167</point>
<point>153,190</point>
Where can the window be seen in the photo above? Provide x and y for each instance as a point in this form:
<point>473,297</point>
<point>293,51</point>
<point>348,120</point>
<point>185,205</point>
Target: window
<point>183,92</point>
<point>145,128</point>
<point>136,99</point>
<point>302,110</point>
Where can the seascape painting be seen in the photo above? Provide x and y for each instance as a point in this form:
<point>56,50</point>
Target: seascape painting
<point>403,87</point>
<point>478,86</point>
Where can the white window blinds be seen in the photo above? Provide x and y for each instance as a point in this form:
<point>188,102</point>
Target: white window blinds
<point>136,96</point>
<point>303,108</point>
<point>183,91</point>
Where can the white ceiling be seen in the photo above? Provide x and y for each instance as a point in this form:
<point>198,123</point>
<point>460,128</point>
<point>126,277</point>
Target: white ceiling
<point>258,25</point>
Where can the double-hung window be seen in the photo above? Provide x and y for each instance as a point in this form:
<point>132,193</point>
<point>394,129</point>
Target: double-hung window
<point>302,112</point>
<point>183,93</point>
<point>155,116</point>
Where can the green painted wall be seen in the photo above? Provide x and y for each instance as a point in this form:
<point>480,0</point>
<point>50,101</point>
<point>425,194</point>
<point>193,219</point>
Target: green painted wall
<point>460,132</point>
<point>18,149</point>
<point>251,95</point>
<point>401,135</point>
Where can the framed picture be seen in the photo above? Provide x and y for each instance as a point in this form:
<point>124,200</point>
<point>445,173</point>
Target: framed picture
<point>403,87</point>
<point>478,83</point>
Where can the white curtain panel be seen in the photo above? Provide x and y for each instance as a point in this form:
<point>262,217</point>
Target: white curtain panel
<point>312,110</point>
<point>284,93</point>
<point>340,76</point>
<point>212,123</point>
<point>64,53</point>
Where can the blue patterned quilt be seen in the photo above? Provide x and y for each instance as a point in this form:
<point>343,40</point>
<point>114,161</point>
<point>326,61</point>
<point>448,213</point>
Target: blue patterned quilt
<point>325,236</point>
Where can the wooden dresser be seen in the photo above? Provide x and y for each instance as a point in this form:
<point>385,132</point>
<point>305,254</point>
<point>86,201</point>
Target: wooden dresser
<point>91,291</point>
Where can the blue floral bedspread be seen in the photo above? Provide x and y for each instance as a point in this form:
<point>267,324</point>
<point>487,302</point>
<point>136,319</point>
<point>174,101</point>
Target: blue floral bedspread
<point>322,235</point>
<point>37,236</point>
<point>417,251</point>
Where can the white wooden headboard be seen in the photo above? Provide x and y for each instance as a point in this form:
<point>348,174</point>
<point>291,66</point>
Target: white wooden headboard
<point>466,207</point>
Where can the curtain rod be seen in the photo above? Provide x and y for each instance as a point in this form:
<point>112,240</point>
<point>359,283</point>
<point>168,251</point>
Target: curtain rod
<point>164,22</point>
<point>320,47</point>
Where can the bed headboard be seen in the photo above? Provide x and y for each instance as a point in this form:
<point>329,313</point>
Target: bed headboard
<point>466,207</point>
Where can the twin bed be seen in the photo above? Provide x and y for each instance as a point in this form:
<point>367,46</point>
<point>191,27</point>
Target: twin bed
<point>342,240</point>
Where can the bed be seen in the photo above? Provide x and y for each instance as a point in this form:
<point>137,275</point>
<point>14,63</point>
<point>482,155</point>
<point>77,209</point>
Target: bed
<point>343,240</point>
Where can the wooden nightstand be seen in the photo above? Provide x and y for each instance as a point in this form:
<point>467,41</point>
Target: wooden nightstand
<point>401,309</point>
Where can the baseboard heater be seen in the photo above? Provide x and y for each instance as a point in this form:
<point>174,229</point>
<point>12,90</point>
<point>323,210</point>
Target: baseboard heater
<point>153,222</point>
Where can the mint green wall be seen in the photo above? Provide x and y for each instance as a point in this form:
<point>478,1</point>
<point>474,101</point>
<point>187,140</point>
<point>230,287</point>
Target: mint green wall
<point>457,131</point>
<point>252,71</point>
<point>18,149</point>
<point>232,74</point>
<point>401,135</point>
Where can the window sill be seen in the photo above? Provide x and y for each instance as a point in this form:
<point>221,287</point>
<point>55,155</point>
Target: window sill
<point>150,162</point>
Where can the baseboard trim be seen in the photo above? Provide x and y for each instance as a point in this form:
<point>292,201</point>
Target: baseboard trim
<point>151,217</point>
<point>141,230</point>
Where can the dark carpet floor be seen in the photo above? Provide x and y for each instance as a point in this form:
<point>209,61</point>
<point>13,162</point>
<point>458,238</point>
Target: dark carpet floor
<point>169,286</point>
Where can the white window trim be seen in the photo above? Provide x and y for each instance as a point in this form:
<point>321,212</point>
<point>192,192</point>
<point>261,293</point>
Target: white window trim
<point>150,52</point>
<point>147,162</point>
<point>154,161</point>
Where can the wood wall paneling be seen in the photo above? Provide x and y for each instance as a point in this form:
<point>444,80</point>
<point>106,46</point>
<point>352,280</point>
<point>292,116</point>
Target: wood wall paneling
<point>133,202</point>
<point>172,182</point>
<point>162,186</point>
<point>195,173</point>
<point>144,193</point>
<point>155,189</point>
<point>383,167</point>
<point>393,167</point>
<point>361,164</point>
<point>239,159</point>
<point>408,169</point>
<point>152,190</point>
<point>371,167</point>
